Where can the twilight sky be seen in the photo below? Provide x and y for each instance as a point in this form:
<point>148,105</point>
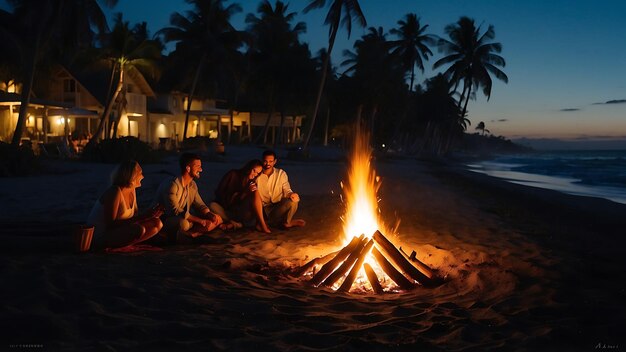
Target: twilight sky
<point>565,59</point>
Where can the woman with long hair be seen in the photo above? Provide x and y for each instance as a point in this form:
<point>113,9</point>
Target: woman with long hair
<point>115,214</point>
<point>237,199</point>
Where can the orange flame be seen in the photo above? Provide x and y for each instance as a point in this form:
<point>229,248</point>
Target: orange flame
<point>362,215</point>
<point>360,192</point>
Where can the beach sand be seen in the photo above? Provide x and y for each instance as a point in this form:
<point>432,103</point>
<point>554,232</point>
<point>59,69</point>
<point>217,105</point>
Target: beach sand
<point>524,268</point>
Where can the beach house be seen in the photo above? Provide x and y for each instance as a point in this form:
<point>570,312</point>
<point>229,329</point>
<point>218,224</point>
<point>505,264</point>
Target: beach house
<point>70,107</point>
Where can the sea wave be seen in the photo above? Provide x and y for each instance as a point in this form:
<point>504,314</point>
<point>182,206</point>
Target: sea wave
<point>588,173</point>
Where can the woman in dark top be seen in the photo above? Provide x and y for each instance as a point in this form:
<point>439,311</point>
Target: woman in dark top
<point>237,195</point>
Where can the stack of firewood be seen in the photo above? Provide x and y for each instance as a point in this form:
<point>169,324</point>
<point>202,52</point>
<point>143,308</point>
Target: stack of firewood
<point>350,258</point>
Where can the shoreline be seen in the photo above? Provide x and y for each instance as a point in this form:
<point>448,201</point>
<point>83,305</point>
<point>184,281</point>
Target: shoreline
<point>564,171</point>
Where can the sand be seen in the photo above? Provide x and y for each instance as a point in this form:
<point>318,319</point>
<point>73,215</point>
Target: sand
<point>524,268</point>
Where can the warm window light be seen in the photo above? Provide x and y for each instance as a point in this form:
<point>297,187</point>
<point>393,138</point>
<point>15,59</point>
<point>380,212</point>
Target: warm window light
<point>12,87</point>
<point>60,121</point>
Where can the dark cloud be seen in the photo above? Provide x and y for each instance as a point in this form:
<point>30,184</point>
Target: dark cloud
<point>499,120</point>
<point>616,101</point>
<point>570,109</point>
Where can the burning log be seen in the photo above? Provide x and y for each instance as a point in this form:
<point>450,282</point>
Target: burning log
<point>347,282</point>
<point>347,264</point>
<point>315,261</point>
<point>420,266</point>
<point>371,276</point>
<point>394,274</point>
<point>328,268</point>
<point>398,259</point>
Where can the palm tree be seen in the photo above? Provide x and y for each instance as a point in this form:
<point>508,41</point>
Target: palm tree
<point>412,45</point>
<point>340,12</point>
<point>205,39</point>
<point>375,71</point>
<point>275,42</point>
<point>42,25</point>
<point>438,116</point>
<point>472,57</point>
<point>481,127</point>
<point>125,49</point>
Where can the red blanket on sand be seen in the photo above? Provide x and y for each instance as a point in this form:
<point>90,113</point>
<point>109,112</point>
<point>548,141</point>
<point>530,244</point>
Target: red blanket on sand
<point>134,248</point>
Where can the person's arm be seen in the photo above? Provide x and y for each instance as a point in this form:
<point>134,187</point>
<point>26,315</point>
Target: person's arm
<point>196,200</point>
<point>170,194</point>
<point>110,204</point>
<point>286,187</point>
<point>202,208</point>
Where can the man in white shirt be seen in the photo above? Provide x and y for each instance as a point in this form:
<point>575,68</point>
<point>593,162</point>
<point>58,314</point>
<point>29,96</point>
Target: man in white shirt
<point>280,203</point>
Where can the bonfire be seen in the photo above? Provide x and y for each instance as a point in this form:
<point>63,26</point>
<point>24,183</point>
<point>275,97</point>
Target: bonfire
<point>368,261</point>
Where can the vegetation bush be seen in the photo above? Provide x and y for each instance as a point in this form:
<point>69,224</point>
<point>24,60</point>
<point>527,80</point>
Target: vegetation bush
<point>489,144</point>
<point>118,149</point>
<point>203,144</point>
<point>17,161</point>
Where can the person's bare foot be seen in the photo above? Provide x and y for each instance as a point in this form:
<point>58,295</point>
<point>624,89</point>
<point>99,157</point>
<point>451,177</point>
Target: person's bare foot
<point>230,226</point>
<point>262,228</point>
<point>295,223</point>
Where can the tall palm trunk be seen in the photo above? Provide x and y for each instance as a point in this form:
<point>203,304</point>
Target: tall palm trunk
<point>192,92</point>
<point>469,93</point>
<point>263,133</point>
<point>279,140</point>
<point>320,90</point>
<point>326,126</point>
<point>231,113</point>
<point>25,98</point>
<point>412,77</point>
<point>107,111</point>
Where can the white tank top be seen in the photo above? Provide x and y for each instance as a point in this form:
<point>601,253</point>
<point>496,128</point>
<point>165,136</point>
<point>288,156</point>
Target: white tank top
<point>96,216</point>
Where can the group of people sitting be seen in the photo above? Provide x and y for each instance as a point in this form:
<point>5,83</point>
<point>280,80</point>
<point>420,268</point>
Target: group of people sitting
<point>257,195</point>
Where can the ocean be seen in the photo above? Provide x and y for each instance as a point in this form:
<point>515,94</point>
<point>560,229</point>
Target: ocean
<point>591,173</point>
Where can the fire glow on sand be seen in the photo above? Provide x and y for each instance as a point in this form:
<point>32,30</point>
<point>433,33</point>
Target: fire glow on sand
<point>368,261</point>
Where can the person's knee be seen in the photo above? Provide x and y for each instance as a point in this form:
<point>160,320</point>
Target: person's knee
<point>138,232</point>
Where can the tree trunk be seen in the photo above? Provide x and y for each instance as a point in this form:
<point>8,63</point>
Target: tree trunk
<point>107,111</point>
<point>279,140</point>
<point>267,121</point>
<point>192,92</point>
<point>469,93</point>
<point>326,126</point>
<point>320,90</point>
<point>25,97</point>
<point>231,113</point>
